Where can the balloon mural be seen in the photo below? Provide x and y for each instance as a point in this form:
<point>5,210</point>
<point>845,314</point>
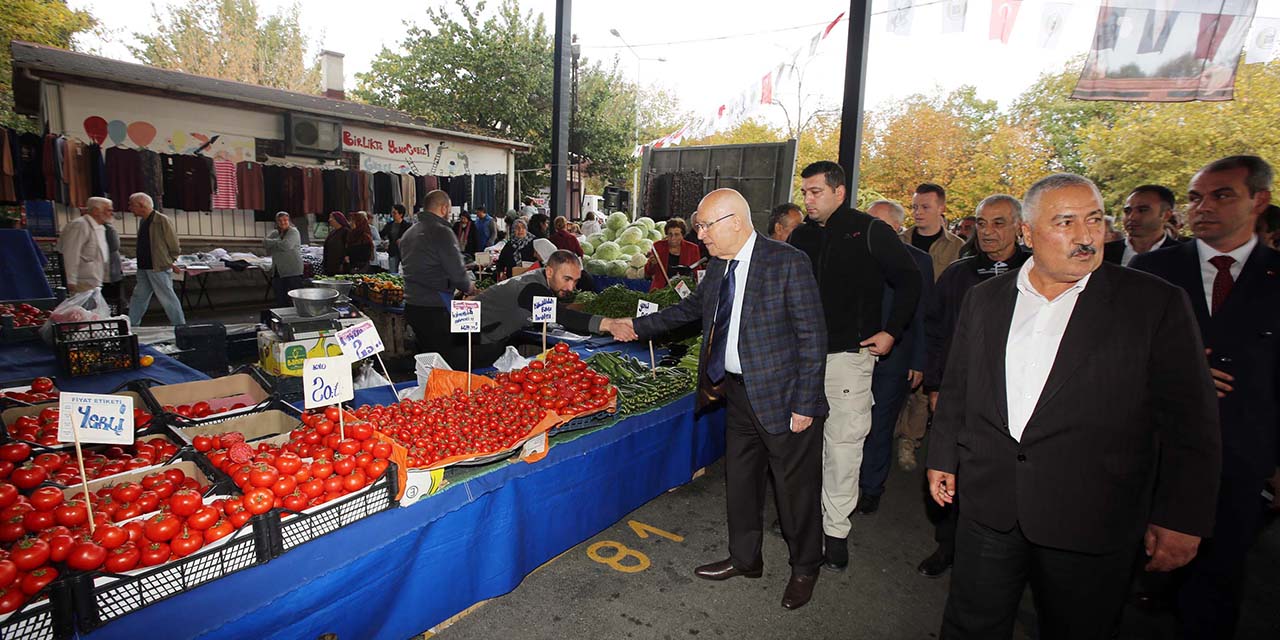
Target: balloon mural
<point>142,134</point>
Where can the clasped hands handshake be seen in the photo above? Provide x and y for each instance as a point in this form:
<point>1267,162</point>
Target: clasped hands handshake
<point>621,329</point>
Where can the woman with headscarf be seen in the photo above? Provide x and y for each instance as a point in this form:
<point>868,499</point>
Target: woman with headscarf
<point>466,233</point>
<point>335,244</point>
<point>359,243</point>
<point>519,248</point>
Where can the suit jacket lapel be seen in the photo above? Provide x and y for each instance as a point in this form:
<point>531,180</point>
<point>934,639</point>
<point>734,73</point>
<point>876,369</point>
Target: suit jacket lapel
<point>1088,320</point>
<point>1188,277</point>
<point>996,336</point>
<point>754,286</point>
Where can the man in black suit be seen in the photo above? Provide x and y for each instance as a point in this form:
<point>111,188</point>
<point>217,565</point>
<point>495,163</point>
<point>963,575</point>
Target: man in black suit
<point>764,344</point>
<point>1069,383</point>
<point>1147,211</point>
<point>1234,284</point>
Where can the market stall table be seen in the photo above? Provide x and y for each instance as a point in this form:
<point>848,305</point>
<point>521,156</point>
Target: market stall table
<point>27,360</point>
<point>201,277</point>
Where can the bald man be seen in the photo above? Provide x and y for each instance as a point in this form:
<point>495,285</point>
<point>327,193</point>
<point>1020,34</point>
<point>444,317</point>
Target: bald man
<point>764,346</point>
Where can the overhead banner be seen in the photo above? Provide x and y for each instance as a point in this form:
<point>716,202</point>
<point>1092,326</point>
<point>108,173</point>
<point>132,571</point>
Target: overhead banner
<point>1262,45</point>
<point>1165,50</point>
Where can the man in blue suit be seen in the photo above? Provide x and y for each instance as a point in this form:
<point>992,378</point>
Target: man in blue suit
<point>764,343</point>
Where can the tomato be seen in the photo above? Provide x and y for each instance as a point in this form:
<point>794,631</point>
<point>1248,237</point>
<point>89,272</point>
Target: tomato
<point>203,518</point>
<point>239,518</point>
<point>8,495</point>
<point>29,554</point>
<point>331,413</point>
<point>38,520</point>
<point>153,554</point>
<point>42,385</point>
<point>110,536</point>
<point>360,431</point>
<point>137,531</point>
<point>343,465</point>
<point>184,502</point>
<point>348,447</point>
<point>201,409</point>
<point>321,468</point>
<point>288,463</point>
<point>71,513</point>
<point>312,488</point>
<point>148,501</point>
<point>126,492</point>
<point>28,476</point>
<point>263,475</point>
<point>48,415</point>
<point>12,599</point>
<point>11,529</point>
<point>162,527</point>
<point>38,579</point>
<point>354,482</point>
<point>376,468</point>
<point>8,573</point>
<point>123,558</point>
<point>382,450</point>
<point>284,486</point>
<point>86,556</point>
<point>15,452</point>
<point>50,461</point>
<point>258,500</point>
<point>333,484</point>
<point>537,365</point>
<point>187,542</point>
<point>296,501</point>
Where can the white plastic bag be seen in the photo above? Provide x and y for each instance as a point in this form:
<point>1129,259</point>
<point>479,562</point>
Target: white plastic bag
<point>85,306</point>
<point>510,360</point>
<point>368,377</point>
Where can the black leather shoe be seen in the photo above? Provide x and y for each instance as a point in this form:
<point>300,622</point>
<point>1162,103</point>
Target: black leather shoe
<point>867,505</point>
<point>835,553</point>
<point>935,565</point>
<point>724,570</point>
<point>799,591</point>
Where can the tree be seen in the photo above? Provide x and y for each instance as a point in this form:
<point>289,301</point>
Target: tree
<point>1047,107</point>
<point>47,22</point>
<point>229,39</point>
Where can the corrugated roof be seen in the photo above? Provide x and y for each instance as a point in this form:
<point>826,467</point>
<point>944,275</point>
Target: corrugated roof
<point>70,63</point>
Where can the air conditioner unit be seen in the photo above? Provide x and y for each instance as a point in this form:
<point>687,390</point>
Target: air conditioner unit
<point>313,137</point>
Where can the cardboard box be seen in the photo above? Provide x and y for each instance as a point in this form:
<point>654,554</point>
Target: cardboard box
<point>281,358</point>
<point>254,426</point>
<point>220,393</point>
<point>191,469</point>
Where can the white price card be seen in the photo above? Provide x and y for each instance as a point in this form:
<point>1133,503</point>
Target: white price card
<point>702,273</point>
<point>360,341</point>
<point>464,316</point>
<point>544,309</point>
<point>644,308</point>
<point>683,289</point>
<point>326,381</point>
<point>95,418</point>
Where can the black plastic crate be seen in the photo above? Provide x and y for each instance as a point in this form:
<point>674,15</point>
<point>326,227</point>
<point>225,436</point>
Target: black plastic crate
<point>10,334</point>
<point>50,619</point>
<point>96,604</point>
<point>586,422</point>
<point>98,355</point>
<point>291,528</point>
<point>89,330</point>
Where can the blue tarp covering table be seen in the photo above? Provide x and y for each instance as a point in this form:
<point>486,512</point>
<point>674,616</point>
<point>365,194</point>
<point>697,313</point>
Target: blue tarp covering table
<point>22,270</point>
<point>402,571</point>
<point>26,360</point>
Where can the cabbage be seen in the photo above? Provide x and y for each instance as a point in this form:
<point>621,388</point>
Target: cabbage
<point>631,250</point>
<point>596,238</point>
<point>610,234</point>
<point>596,267</point>
<point>618,269</point>
<point>646,222</point>
<point>587,247</point>
<point>635,274</point>
<point>645,246</point>
<point>616,220</point>
<point>608,251</point>
<point>656,236</point>
<point>630,235</point>
<point>638,260</point>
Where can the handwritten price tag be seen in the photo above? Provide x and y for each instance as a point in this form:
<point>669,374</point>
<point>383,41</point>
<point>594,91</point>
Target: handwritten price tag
<point>683,289</point>
<point>644,308</point>
<point>464,316</point>
<point>544,309</point>
<point>326,381</point>
<point>360,341</point>
<point>95,418</point>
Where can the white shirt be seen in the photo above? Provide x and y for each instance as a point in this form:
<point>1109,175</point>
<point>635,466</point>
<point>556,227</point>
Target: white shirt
<point>1130,253</point>
<point>590,228</point>
<point>732,363</point>
<point>1208,272</point>
<point>1034,337</point>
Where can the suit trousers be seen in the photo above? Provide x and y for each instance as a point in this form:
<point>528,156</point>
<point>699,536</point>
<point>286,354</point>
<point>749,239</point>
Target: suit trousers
<point>1209,596</point>
<point>1078,596</point>
<point>914,419</point>
<point>848,387</point>
<point>889,387</point>
<point>793,460</point>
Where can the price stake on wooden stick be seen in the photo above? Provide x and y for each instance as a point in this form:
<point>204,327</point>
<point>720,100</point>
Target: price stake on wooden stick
<point>327,381</point>
<point>95,419</point>
<point>464,317</point>
<point>544,311</point>
<point>644,308</point>
<point>360,341</point>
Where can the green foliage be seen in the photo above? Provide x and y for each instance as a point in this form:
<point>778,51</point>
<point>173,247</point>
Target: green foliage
<point>47,22</point>
<point>1047,107</point>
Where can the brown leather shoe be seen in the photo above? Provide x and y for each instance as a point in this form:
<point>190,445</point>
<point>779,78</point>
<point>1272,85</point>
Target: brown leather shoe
<point>724,570</point>
<point>799,590</point>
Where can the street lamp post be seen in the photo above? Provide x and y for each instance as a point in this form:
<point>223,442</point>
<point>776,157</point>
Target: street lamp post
<point>635,178</point>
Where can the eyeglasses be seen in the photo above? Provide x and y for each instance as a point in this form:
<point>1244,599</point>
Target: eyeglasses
<point>698,227</point>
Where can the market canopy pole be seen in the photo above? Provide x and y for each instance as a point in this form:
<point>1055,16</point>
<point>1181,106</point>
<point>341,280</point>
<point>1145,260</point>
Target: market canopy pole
<point>560,105</point>
<point>855,76</point>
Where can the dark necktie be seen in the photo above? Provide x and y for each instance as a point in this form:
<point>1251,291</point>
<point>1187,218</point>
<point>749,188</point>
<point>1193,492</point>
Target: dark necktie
<point>1222,282</point>
<point>720,327</point>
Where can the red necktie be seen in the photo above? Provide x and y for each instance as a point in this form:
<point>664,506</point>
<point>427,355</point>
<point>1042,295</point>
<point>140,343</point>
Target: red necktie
<point>1222,282</point>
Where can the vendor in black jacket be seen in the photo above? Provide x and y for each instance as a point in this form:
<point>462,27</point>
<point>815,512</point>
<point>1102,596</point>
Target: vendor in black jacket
<point>999,218</point>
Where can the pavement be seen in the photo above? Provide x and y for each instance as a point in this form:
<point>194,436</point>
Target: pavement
<point>581,595</point>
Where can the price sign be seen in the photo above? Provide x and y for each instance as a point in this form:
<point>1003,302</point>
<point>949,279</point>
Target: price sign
<point>464,316</point>
<point>544,309</point>
<point>95,418</point>
<point>644,308</point>
<point>701,274</point>
<point>360,341</point>
<point>683,289</point>
<point>326,381</point>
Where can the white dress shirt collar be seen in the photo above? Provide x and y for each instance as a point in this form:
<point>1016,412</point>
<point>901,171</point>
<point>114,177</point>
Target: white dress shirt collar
<point>1130,253</point>
<point>1208,272</point>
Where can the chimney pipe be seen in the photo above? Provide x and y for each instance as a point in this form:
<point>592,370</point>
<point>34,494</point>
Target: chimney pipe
<point>331,74</point>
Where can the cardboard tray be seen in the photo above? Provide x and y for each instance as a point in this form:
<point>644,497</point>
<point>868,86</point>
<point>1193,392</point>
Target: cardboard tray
<point>218,392</point>
<point>279,418</point>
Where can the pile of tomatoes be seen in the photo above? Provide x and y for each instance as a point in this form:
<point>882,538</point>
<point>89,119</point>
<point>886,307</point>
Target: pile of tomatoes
<point>315,466</point>
<point>43,428</point>
<point>25,471</point>
<point>24,315</point>
<point>200,409</point>
<point>562,383</point>
<point>41,390</point>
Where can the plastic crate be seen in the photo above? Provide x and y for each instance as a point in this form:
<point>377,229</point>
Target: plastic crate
<point>98,355</point>
<point>291,528</point>
<point>10,334</point>
<point>49,619</point>
<point>101,597</point>
<point>90,330</point>
<point>387,297</point>
<point>586,422</point>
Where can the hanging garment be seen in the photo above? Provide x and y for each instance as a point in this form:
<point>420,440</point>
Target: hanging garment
<point>124,175</point>
<point>408,190</point>
<point>397,197</point>
<point>78,178</point>
<point>227,190</point>
<point>152,176</point>
<point>8,168</point>
<point>97,171</point>
<point>30,159</point>
<point>169,177</point>
<point>381,191</point>
<point>249,189</point>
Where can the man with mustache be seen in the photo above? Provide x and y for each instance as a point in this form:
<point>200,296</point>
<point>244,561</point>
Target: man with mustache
<point>1147,211</point>
<point>1069,383</point>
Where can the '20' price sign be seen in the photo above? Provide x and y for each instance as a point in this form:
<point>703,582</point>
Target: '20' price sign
<point>326,381</point>
<point>360,341</point>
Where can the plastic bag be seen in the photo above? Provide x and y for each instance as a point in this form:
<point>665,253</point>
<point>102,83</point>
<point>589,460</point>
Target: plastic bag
<point>368,377</point>
<point>85,306</point>
<point>511,360</point>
